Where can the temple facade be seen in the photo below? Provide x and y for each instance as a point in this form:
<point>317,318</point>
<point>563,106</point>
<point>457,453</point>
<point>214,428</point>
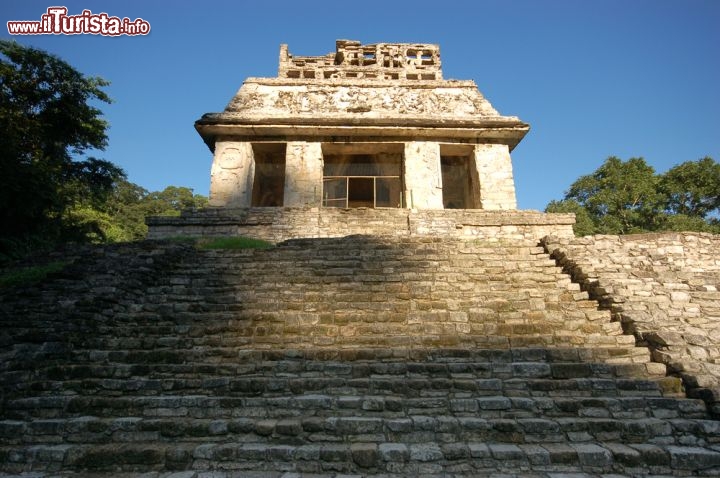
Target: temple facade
<point>369,139</point>
<point>365,126</point>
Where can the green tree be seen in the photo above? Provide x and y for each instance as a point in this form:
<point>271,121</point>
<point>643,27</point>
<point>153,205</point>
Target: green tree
<point>48,123</point>
<point>623,197</point>
<point>682,222</point>
<point>125,207</point>
<point>692,188</point>
<point>122,216</point>
<point>171,200</point>
<point>584,225</point>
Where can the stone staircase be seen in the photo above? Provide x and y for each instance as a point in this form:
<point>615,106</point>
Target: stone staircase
<point>359,356</point>
<point>664,289</point>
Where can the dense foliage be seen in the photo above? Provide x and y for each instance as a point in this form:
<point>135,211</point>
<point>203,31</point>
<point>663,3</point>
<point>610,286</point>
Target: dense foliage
<point>623,197</point>
<point>48,124</point>
<point>121,217</point>
<point>51,191</point>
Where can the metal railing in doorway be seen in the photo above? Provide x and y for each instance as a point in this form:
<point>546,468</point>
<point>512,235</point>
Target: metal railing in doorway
<point>361,191</point>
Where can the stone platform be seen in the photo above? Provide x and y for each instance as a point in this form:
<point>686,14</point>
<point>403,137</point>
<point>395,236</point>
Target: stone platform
<point>279,224</point>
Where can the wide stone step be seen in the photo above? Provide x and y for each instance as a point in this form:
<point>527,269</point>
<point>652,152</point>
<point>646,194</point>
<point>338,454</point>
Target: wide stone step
<point>403,317</point>
<point>194,362</point>
<point>276,332</point>
<point>319,429</point>
<point>410,387</point>
<point>399,459</point>
<point>93,369</point>
<point>24,372</point>
<point>525,273</point>
<point>225,345</point>
<point>323,405</point>
<point>231,349</point>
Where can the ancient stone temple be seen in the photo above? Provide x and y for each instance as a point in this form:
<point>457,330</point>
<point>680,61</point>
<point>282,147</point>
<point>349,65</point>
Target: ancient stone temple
<point>367,126</point>
<point>407,322</point>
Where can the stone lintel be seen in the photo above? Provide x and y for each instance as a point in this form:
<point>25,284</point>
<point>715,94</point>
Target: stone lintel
<point>357,120</point>
<point>501,132</point>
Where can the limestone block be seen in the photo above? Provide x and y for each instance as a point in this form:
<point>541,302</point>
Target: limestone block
<point>303,174</point>
<point>494,169</point>
<point>232,174</point>
<point>423,176</point>
<point>394,452</point>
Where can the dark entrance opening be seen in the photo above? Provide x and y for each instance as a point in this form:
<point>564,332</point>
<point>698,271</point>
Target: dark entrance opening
<point>362,175</point>
<point>269,182</point>
<point>459,182</point>
<point>361,192</point>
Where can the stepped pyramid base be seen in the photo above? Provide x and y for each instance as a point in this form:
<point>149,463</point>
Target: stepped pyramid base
<point>328,358</point>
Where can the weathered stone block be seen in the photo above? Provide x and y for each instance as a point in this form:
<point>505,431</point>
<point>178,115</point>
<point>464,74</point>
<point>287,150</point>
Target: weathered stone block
<point>365,455</point>
<point>394,452</point>
<point>334,453</point>
<point>425,452</point>
<point>501,451</point>
<point>592,455</point>
<point>693,458</point>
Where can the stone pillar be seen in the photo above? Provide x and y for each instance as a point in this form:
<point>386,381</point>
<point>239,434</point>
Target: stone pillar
<point>423,176</point>
<point>303,174</point>
<point>495,176</point>
<point>232,174</point>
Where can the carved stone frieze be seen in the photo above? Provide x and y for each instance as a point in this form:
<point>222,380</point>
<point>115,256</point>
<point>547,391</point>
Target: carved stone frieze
<point>256,98</point>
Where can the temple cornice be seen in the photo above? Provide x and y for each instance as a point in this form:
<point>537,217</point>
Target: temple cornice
<point>500,130</point>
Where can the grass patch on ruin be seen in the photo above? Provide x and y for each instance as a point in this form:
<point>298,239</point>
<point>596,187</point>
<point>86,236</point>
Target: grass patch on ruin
<point>30,275</point>
<point>233,243</point>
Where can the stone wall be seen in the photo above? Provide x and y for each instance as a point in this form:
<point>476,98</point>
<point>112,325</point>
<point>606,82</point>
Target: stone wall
<point>423,180</point>
<point>495,175</point>
<point>303,173</point>
<point>232,174</point>
<point>664,290</point>
<point>278,224</point>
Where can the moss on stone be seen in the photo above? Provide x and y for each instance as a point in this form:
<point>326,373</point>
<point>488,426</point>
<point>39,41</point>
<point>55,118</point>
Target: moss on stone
<point>30,275</point>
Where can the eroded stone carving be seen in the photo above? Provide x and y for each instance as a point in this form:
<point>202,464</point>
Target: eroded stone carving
<point>381,61</point>
<point>374,100</point>
<point>232,174</point>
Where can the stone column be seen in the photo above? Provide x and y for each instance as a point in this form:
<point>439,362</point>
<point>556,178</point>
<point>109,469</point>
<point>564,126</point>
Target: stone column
<point>303,174</point>
<point>495,176</point>
<point>423,176</point>
<point>232,174</point>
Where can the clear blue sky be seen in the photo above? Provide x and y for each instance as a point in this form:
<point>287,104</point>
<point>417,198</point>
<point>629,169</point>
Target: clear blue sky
<point>593,78</point>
